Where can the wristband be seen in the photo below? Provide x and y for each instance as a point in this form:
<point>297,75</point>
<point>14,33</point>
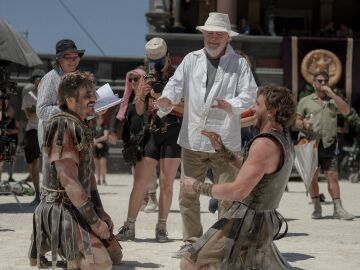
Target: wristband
<point>202,188</point>
<point>226,153</point>
<point>95,198</point>
<point>88,212</point>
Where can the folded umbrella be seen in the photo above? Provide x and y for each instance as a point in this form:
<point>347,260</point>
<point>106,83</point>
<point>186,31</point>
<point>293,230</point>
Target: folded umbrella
<point>14,47</point>
<point>306,160</point>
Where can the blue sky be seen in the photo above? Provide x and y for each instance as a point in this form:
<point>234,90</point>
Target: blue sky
<point>118,26</point>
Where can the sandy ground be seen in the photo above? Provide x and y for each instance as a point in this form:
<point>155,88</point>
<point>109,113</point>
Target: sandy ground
<point>309,244</point>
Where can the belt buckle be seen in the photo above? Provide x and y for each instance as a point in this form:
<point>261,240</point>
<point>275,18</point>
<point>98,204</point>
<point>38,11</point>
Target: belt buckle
<point>51,197</point>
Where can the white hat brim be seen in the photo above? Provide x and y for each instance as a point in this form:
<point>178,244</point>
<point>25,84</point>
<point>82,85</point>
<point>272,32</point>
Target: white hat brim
<point>209,28</point>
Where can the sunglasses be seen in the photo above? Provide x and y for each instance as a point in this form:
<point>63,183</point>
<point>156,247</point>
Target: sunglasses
<point>71,58</point>
<point>322,81</point>
<point>133,79</point>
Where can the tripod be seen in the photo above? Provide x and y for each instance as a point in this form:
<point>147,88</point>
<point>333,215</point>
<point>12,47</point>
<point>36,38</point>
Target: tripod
<point>7,144</point>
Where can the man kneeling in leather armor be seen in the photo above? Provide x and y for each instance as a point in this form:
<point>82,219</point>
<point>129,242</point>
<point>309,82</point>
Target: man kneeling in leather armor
<point>70,220</point>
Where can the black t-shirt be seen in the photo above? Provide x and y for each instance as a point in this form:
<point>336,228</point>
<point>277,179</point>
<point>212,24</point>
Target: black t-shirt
<point>133,122</point>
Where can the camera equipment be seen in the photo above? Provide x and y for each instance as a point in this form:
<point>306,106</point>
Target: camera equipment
<point>155,77</point>
<point>7,88</point>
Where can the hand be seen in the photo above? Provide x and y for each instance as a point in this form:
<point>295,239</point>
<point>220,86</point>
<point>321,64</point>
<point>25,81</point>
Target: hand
<point>186,184</point>
<point>248,121</point>
<point>106,218</point>
<point>146,89</point>
<point>99,145</point>
<point>163,103</point>
<point>307,124</point>
<point>155,95</point>
<point>222,104</point>
<point>112,138</point>
<point>101,229</point>
<point>327,90</point>
<point>214,138</point>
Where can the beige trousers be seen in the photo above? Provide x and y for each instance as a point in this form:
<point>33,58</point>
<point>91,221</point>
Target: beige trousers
<point>195,164</point>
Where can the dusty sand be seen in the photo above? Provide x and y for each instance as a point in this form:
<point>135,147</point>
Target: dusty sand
<point>310,244</point>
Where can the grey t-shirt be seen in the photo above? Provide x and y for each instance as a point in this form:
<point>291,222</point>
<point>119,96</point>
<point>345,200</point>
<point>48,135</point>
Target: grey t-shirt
<point>212,65</point>
<point>29,102</point>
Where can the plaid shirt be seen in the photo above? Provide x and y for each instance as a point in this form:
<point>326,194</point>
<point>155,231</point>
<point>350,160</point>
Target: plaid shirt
<point>47,104</point>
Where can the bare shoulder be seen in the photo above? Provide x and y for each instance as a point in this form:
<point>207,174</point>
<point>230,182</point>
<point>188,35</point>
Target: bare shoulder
<point>265,144</point>
<point>265,152</point>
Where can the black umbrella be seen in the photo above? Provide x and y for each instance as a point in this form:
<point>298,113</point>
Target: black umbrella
<point>14,48</point>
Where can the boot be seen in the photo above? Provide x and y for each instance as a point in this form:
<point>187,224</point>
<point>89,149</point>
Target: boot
<point>317,208</point>
<point>152,203</point>
<point>144,202</point>
<point>126,232</point>
<point>161,233</point>
<point>340,212</point>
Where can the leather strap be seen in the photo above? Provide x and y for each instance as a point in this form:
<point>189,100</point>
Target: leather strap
<point>88,213</point>
<point>95,198</point>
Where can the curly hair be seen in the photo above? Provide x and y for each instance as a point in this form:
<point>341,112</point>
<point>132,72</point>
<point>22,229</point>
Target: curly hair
<point>71,83</point>
<point>280,99</point>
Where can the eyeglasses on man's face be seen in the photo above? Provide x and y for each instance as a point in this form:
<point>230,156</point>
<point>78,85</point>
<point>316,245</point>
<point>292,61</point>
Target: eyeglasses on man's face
<point>71,58</point>
<point>322,81</point>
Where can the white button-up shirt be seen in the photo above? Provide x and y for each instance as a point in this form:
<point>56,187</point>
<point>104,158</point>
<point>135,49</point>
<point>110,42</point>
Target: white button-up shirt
<point>47,102</point>
<point>234,83</point>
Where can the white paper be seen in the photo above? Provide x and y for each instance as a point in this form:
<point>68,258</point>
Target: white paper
<point>104,91</point>
<point>105,98</point>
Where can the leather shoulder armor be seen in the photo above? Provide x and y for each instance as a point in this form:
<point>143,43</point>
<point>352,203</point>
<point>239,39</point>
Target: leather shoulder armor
<point>80,133</point>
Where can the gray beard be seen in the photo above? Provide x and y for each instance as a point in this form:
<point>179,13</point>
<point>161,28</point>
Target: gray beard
<point>214,53</point>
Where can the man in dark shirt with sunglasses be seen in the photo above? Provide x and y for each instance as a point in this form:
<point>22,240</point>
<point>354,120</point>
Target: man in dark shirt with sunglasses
<point>317,116</point>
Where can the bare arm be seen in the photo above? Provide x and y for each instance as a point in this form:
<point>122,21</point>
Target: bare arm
<point>216,142</point>
<point>103,138</point>
<point>341,104</point>
<point>67,171</point>
<point>95,197</point>
<point>141,98</point>
<point>302,124</point>
<point>264,156</point>
<point>179,108</point>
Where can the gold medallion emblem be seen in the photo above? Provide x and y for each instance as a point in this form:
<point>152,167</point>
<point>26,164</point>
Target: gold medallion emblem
<point>318,60</point>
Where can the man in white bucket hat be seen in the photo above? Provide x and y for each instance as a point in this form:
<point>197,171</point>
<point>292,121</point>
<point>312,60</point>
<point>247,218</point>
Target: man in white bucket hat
<point>217,85</point>
<point>217,22</point>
